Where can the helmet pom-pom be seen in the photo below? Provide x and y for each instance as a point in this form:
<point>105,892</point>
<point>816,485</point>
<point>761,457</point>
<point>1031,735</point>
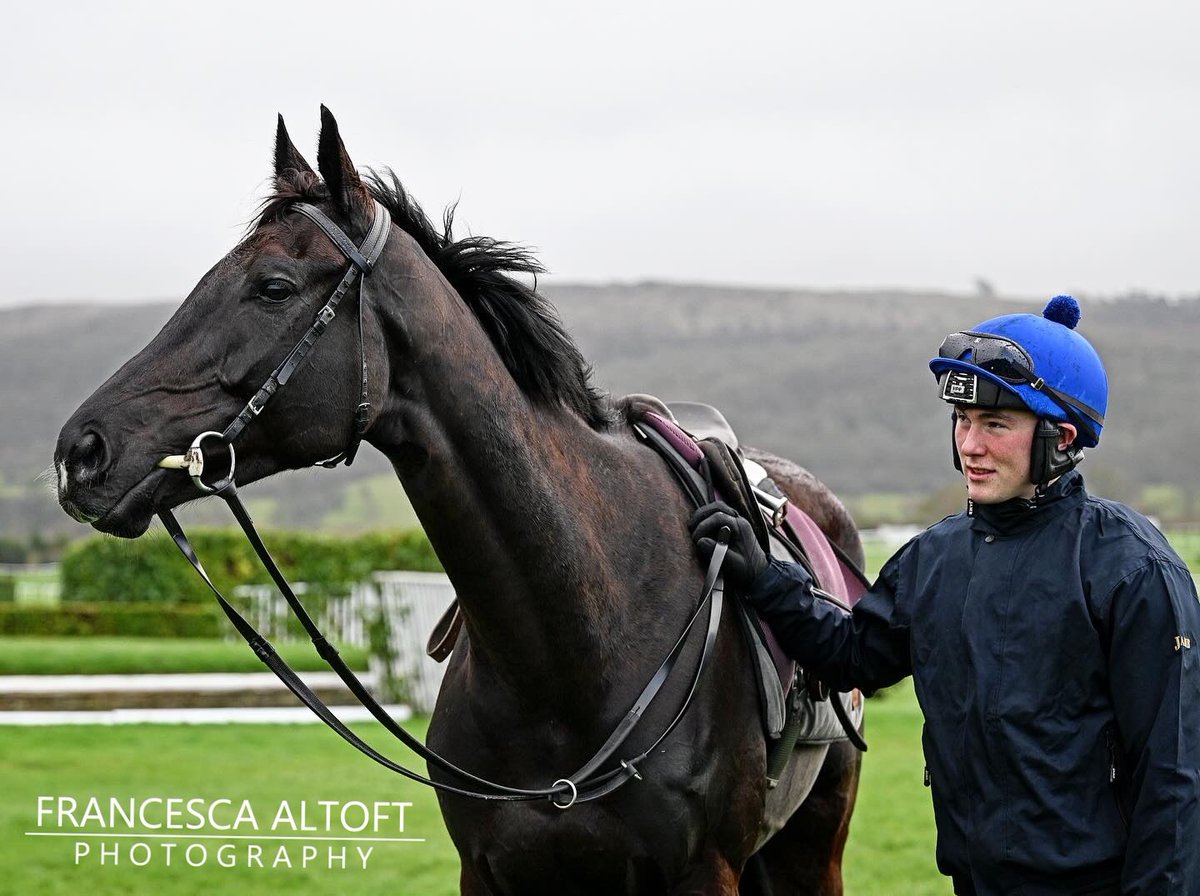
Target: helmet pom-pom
<point>1063,310</point>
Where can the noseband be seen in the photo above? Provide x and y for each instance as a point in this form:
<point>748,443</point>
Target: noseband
<point>586,784</point>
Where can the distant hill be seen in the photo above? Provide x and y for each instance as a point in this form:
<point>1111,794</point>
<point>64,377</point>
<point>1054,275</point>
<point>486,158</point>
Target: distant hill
<point>839,380</point>
<point>835,380</point>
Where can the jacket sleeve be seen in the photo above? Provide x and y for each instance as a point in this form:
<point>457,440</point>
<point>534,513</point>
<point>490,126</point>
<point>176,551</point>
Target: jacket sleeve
<point>867,649</point>
<point>1154,668</point>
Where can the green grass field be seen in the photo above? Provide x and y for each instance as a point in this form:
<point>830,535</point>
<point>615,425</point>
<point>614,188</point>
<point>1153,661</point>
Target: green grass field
<point>25,655</point>
<point>890,850</point>
<point>892,834</point>
<point>261,764</point>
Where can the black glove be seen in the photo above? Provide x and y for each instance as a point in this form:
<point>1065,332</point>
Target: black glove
<point>746,558</point>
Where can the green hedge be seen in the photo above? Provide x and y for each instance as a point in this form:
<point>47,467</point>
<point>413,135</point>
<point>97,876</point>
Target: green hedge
<point>8,589</point>
<point>151,569</point>
<point>155,619</point>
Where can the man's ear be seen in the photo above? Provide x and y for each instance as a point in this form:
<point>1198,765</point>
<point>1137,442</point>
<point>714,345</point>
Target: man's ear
<point>1069,434</point>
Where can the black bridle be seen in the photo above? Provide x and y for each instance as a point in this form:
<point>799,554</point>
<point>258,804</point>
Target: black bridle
<point>589,782</point>
<point>362,262</point>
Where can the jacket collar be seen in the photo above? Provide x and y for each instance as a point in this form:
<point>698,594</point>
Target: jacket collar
<point>1020,514</point>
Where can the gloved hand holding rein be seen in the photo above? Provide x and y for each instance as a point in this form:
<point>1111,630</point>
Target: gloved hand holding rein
<point>746,558</point>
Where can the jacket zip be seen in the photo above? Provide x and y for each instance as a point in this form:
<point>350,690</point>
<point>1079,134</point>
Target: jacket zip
<point>1115,779</point>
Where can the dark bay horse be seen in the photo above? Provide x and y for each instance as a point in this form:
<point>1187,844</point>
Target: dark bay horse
<point>563,535</point>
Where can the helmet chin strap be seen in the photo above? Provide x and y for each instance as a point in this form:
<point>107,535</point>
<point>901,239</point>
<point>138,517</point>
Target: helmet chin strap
<point>1048,459</point>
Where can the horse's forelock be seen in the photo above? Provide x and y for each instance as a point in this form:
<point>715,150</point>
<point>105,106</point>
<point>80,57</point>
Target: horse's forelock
<point>291,186</point>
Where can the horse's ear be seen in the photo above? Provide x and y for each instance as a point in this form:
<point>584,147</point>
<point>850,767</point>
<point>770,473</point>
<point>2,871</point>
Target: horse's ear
<point>287,157</point>
<point>345,187</point>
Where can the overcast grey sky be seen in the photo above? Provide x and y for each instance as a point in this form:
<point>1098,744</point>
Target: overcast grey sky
<point>1045,146</point>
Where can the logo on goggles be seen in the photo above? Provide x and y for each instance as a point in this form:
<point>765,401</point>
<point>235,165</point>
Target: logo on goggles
<point>961,387</point>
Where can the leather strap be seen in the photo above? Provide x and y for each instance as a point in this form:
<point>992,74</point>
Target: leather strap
<point>585,785</point>
<point>266,652</point>
<point>445,634</point>
<point>692,482</point>
<point>361,263</point>
<point>1065,401</point>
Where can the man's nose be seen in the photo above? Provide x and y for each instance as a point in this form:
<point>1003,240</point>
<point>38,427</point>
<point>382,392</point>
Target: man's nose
<point>972,443</point>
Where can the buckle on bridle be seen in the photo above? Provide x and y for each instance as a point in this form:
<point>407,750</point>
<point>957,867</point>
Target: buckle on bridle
<point>193,461</point>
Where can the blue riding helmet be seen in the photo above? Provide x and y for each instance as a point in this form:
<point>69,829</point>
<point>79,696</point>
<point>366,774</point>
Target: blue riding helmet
<point>1022,360</point>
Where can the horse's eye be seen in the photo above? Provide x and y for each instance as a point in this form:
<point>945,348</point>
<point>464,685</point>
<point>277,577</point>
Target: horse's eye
<point>275,291</point>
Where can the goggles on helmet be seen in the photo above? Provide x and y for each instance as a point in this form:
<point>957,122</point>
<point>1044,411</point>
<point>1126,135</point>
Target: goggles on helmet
<point>1008,361</point>
<point>995,354</point>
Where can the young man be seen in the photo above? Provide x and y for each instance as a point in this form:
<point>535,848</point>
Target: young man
<point>1053,637</point>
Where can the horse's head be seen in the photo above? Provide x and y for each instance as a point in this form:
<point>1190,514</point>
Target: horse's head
<point>222,344</point>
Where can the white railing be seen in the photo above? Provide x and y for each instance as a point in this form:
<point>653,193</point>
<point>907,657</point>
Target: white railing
<point>340,617</point>
<point>35,583</point>
<point>409,605</point>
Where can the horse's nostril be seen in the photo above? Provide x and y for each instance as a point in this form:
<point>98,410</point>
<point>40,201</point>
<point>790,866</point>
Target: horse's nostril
<point>88,457</point>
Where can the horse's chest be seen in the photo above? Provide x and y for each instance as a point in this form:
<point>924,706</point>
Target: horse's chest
<point>536,848</point>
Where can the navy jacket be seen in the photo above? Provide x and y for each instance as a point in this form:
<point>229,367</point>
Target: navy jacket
<point>1055,653</point>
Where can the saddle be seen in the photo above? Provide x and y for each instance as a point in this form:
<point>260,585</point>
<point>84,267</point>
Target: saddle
<point>796,707</point>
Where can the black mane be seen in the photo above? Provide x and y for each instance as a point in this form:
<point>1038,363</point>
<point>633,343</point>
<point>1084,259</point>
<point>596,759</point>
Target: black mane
<point>521,324</point>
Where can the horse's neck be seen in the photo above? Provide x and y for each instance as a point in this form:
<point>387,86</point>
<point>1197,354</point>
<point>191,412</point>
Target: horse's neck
<point>522,505</point>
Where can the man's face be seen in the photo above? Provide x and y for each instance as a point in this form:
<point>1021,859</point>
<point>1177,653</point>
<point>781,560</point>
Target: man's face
<point>994,447</point>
